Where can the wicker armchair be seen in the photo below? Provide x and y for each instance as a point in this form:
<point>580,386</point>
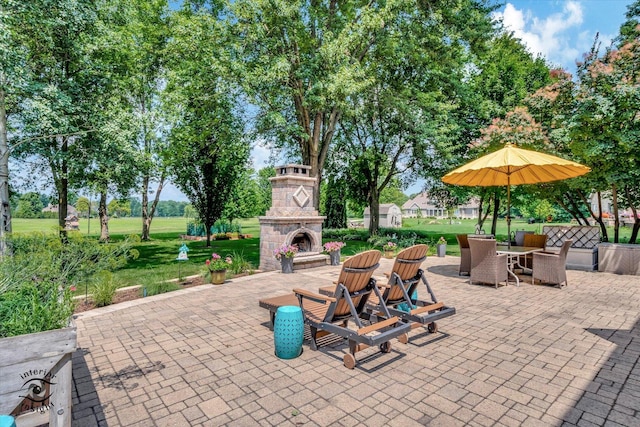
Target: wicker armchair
<point>551,268</point>
<point>465,254</point>
<point>486,265</point>
<point>532,241</point>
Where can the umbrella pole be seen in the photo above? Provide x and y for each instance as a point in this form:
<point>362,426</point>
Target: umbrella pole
<point>509,211</point>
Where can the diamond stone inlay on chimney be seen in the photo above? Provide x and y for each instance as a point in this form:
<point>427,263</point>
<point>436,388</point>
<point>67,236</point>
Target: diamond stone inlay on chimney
<point>292,219</point>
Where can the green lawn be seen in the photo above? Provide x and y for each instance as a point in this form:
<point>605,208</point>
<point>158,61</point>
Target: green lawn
<point>157,258</point>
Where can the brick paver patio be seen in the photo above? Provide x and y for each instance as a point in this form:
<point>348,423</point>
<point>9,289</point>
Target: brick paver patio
<point>528,355</point>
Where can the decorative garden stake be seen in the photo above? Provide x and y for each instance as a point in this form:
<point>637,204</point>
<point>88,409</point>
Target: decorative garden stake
<point>182,256</point>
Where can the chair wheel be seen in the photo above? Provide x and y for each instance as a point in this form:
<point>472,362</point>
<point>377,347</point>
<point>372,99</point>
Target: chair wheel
<point>404,338</point>
<point>385,347</point>
<point>349,361</point>
<point>432,327</point>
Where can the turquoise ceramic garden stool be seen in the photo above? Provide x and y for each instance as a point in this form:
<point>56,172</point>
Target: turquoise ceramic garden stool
<point>405,307</point>
<point>7,421</point>
<point>288,332</point>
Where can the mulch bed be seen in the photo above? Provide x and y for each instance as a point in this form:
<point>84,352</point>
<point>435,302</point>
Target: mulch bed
<point>133,294</point>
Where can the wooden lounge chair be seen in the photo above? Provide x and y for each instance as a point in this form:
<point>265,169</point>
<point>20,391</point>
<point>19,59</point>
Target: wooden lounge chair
<point>331,314</point>
<point>404,279</point>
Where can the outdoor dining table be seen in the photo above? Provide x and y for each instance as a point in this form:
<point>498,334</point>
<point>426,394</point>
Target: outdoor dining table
<point>513,255</point>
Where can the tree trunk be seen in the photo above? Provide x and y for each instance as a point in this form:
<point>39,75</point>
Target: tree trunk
<point>598,217</point>
<point>616,217</point>
<point>482,216</point>
<point>104,217</point>
<point>5,207</point>
<point>208,226</point>
<point>636,228</point>
<point>603,227</point>
<point>145,206</point>
<point>374,211</point>
<point>148,212</point>
<point>63,190</point>
<point>496,209</point>
<point>636,220</point>
<point>314,146</point>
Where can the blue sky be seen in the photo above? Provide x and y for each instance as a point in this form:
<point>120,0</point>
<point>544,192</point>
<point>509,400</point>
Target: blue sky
<point>563,30</point>
<point>559,30</point>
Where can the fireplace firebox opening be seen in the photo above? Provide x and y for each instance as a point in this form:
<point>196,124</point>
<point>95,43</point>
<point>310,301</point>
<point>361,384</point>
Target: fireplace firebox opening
<point>303,242</point>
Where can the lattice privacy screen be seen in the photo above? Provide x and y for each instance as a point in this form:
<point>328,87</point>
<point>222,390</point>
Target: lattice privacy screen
<point>584,237</point>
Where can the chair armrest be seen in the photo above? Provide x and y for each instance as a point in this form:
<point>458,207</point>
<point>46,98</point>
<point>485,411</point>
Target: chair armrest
<point>312,295</point>
<point>548,255</point>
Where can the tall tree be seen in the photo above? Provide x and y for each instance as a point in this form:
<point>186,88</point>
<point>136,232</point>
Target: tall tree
<point>264,189</point>
<point>147,33</point>
<point>58,40</point>
<point>208,152</point>
<point>606,124</point>
<point>12,69</point>
<point>243,199</point>
<point>335,204</point>
<point>518,128</point>
<point>499,79</point>
<point>300,61</point>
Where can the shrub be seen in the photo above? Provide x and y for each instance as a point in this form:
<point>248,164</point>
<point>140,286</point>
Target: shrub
<point>36,280</point>
<point>345,234</point>
<point>161,287</point>
<point>34,307</point>
<point>42,257</point>
<point>239,264</point>
<point>103,289</point>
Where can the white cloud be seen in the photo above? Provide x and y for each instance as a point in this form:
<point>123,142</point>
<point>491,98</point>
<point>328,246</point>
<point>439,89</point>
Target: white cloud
<point>260,156</point>
<point>549,36</point>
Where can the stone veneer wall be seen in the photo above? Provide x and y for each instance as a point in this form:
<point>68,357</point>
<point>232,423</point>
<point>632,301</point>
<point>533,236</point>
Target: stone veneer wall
<point>291,212</point>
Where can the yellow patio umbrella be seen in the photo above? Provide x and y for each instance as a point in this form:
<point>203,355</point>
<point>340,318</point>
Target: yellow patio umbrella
<point>513,166</point>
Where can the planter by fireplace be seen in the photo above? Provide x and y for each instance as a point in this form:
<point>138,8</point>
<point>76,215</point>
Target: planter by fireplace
<point>292,219</point>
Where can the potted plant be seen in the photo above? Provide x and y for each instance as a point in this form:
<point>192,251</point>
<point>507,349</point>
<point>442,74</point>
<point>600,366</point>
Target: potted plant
<point>218,268</point>
<point>441,247</point>
<point>285,254</point>
<point>389,249</point>
<point>333,249</point>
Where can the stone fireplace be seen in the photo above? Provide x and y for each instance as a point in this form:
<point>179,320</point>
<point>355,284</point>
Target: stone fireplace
<point>292,219</point>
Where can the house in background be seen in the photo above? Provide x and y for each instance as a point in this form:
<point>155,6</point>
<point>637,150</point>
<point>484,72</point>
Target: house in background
<point>469,210</point>
<point>71,210</point>
<point>424,206</point>
<point>390,216</point>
